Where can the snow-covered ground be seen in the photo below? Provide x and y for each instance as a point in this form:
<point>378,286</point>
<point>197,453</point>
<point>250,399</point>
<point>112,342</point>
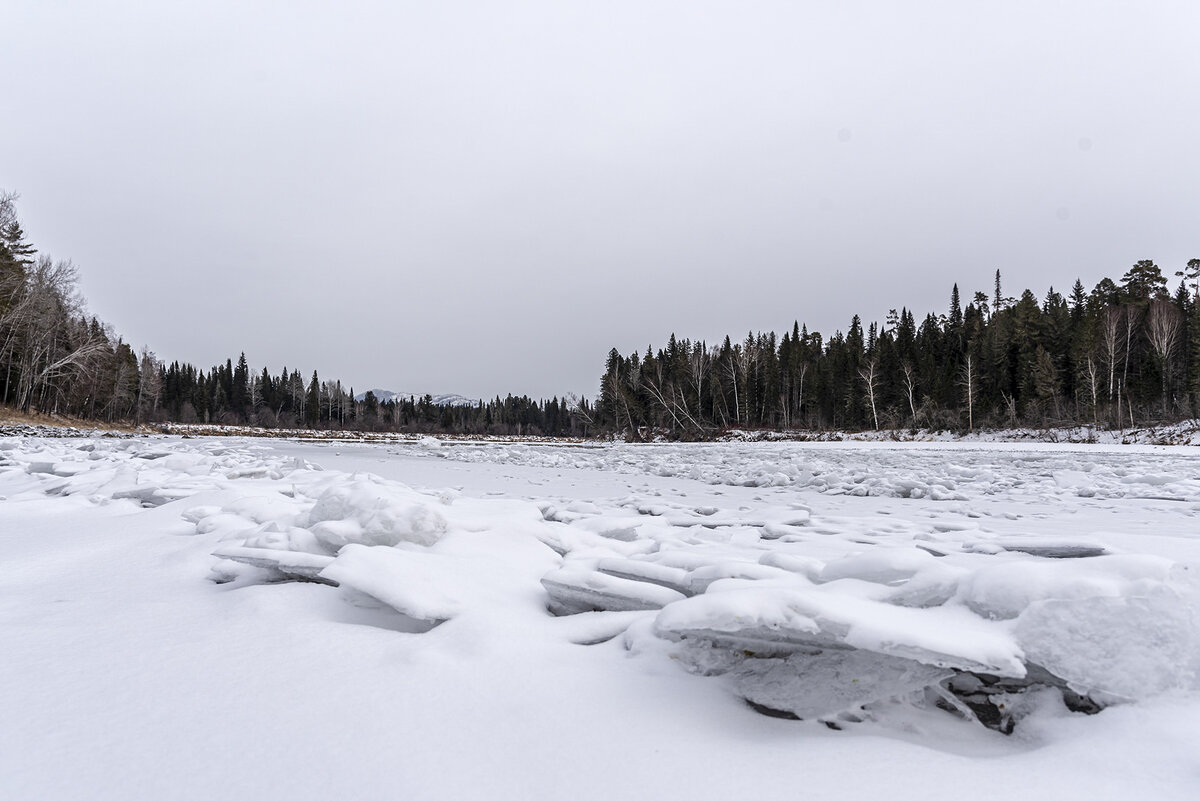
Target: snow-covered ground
<point>503,620</point>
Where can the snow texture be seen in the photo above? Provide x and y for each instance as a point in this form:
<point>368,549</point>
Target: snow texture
<point>429,596</point>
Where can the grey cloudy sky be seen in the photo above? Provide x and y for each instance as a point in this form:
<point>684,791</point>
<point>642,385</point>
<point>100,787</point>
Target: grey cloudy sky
<point>485,197</point>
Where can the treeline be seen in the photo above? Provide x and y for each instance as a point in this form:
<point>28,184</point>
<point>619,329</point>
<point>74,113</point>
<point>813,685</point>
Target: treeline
<point>234,395</point>
<point>56,359</point>
<point>1122,354</point>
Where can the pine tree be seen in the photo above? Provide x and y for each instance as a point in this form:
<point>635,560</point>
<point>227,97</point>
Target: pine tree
<point>16,254</point>
<point>1143,282</point>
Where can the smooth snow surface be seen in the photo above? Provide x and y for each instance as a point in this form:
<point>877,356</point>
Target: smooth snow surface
<point>208,618</point>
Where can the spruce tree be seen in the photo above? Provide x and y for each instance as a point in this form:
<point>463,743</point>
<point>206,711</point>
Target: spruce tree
<point>240,392</point>
<point>954,319</point>
<point>312,402</point>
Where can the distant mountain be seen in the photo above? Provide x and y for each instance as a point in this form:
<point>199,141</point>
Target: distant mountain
<point>448,399</point>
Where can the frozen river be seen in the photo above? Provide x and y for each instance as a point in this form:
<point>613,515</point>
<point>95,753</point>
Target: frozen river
<point>504,620</point>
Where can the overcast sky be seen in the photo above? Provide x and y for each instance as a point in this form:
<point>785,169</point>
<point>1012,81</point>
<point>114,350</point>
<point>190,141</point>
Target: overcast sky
<point>485,198</point>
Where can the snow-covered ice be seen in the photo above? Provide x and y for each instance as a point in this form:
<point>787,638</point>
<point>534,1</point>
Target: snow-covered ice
<point>187,618</point>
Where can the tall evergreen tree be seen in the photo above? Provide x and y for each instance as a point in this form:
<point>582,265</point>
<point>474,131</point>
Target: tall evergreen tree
<point>312,401</point>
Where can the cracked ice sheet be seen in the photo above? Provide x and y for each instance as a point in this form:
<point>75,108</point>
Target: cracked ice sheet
<point>125,668</point>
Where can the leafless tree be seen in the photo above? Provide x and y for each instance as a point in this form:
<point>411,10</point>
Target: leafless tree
<point>910,389</point>
<point>681,406</point>
<point>969,381</point>
<point>330,396</point>
<point>8,208</point>
<point>734,370</point>
<point>40,335</point>
<point>617,389</point>
<point>1010,408</point>
<point>1092,374</point>
<point>1112,344</point>
<point>254,394</point>
<point>654,388</point>
<point>577,411</point>
<point>1132,319</point>
<point>700,364</point>
<point>869,373</point>
<point>149,384</point>
<point>299,396</point>
<point>670,397</point>
<point>1163,325</point>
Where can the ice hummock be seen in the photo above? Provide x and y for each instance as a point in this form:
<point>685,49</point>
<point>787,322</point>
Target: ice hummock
<point>988,579</point>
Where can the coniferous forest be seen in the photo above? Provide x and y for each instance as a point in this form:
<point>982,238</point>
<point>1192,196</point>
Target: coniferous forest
<point>1124,353</point>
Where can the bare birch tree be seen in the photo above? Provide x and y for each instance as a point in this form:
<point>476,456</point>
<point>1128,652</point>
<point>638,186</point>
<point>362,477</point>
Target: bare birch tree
<point>700,363</point>
<point>734,371</point>
<point>910,389</point>
<point>869,373</point>
<point>1163,325</point>
<point>1112,345</point>
<point>1092,374</point>
<point>969,381</point>
<point>1132,319</point>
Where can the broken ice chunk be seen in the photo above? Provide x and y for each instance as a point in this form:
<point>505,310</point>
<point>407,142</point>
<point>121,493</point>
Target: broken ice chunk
<point>622,529</point>
<point>831,681</point>
<point>1117,648</point>
<point>880,565</point>
<point>640,570</point>
<point>1004,589</point>
<point>700,579</point>
<point>592,628</point>
<point>807,566</point>
<point>292,564</point>
<point>425,586</point>
<point>374,512</point>
<point>781,620</point>
<point>774,531</point>
<point>1054,550</point>
<point>576,589</point>
<point>147,496</point>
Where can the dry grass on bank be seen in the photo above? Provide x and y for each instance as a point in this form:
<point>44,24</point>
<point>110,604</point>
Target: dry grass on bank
<point>15,417</point>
